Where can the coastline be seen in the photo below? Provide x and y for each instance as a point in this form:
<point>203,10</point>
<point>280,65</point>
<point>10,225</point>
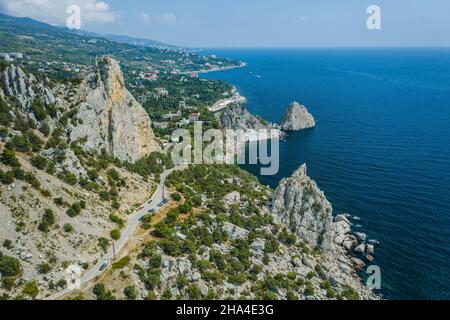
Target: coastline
<point>346,242</point>
<point>218,69</point>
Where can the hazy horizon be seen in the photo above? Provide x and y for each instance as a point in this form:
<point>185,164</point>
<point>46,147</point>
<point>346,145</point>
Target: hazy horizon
<point>253,24</point>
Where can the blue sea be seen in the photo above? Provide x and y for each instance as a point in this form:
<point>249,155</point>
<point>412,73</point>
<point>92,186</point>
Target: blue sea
<point>380,151</point>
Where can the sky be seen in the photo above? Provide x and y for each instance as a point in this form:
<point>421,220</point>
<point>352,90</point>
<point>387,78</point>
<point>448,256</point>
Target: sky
<point>254,23</point>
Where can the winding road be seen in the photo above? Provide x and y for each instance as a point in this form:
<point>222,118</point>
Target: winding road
<point>132,224</point>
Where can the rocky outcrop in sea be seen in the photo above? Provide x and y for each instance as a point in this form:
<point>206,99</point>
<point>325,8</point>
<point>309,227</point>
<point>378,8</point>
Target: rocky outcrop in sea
<point>297,118</point>
<point>303,207</point>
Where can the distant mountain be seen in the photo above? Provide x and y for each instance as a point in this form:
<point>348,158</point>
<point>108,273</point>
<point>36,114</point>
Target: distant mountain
<point>131,40</point>
<point>14,24</point>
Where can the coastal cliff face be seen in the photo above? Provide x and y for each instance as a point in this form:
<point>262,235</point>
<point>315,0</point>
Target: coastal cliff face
<point>112,120</point>
<point>297,118</point>
<point>237,117</point>
<point>303,207</point>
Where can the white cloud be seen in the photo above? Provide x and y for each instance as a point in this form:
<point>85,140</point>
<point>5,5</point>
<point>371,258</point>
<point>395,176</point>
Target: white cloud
<point>167,18</point>
<point>145,18</point>
<point>54,11</point>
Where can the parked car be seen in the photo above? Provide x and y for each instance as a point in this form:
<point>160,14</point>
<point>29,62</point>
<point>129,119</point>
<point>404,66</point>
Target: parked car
<point>103,266</point>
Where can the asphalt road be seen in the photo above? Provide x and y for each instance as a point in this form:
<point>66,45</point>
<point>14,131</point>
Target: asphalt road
<point>129,229</point>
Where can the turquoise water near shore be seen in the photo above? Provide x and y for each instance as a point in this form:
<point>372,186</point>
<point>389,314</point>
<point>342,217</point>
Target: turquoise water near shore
<point>380,151</point>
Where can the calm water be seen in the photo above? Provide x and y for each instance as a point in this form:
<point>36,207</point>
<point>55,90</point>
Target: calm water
<point>380,151</point>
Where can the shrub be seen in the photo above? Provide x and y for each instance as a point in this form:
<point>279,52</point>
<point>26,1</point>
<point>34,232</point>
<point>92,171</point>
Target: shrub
<point>171,246</point>
<point>9,158</point>
<point>114,218</point>
<point>175,196</point>
<point>153,280</point>
<point>115,234</point>
<point>271,245</point>
<point>46,193</point>
<point>309,289</point>
<point>59,201</point>
<point>44,268</point>
<point>35,143</point>
<point>8,283</point>
<point>5,116</point>
<point>7,244</point>
<point>19,143</point>
<point>270,295</point>
<point>31,289</point>
<point>182,282</point>
<point>349,293</point>
<point>194,292</point>
<point>68,228</point>
<point>100,292</point>
<point>130,292</point>
<point>38,109</point>
<point>19,174</point>
<point>103,243</point>
<point>32,180</point>
<point>71,212</point>
<point>122,263</point>
<point>7,177</point>
<point>45,129</point>
<point>75,209</point>
<point>39,162</point>
<point>68,178</point>
<point>48,219</point>
<point>9,267</point>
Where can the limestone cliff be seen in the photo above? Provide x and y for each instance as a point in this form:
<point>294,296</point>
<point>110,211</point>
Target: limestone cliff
<point>237,117</point>
<point>24,88</point>
<point>112,120</point>
<point>303,207</point>
<point>297,118</point>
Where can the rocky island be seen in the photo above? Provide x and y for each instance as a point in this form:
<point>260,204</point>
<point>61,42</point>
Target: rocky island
<point>297,118</point>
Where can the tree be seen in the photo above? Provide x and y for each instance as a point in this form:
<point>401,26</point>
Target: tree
<point>45,129</point>
<point>194,292</point>
<point>9,267</point>
<point>9,158</point>
<point>7,177</point>
<point>115,234</point>
<point>130,292</point>
<point>7,244</point>
<point>31,289</point>
<point>175,196</point>
<point>68,228</point>
<point>5,116</point>
<point>19,143</point>
<point>39,162</point>
<point>44,268</point>
<point>48,219</point>
<point>100,292</point>
<point>38,109</point>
